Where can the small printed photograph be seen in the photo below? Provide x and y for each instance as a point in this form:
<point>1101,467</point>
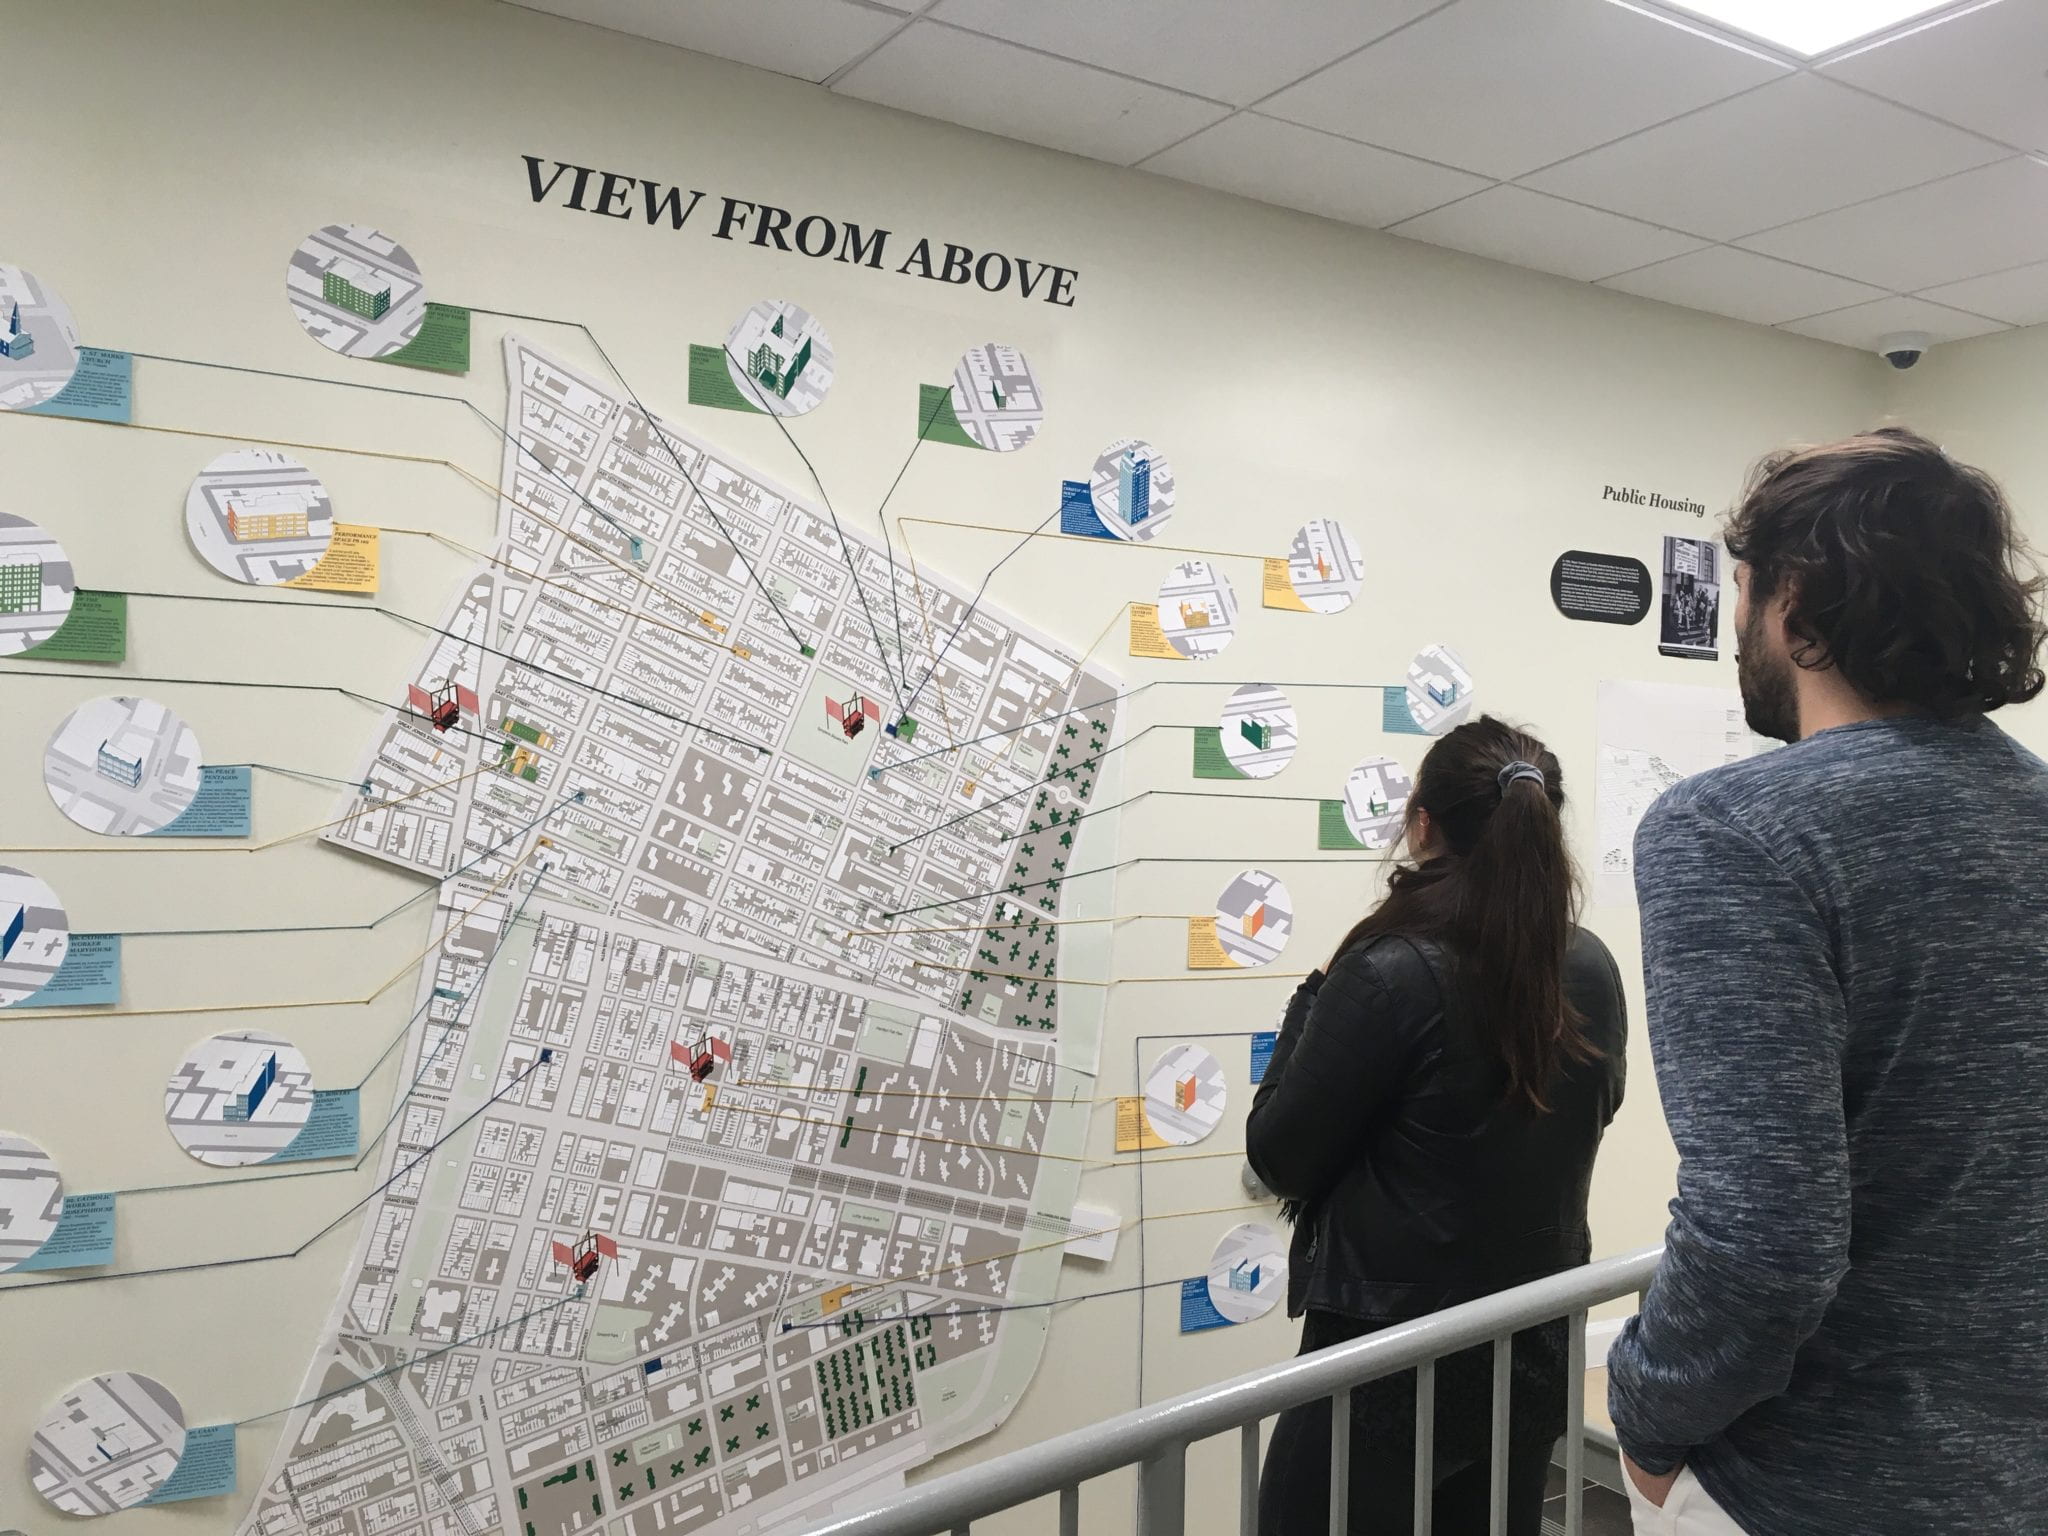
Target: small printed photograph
<point>259,516</point>
<point>38,341</point>
<point>1197,610</point>
<point>36,585</point>
<point>356,290</point>
<point>1692,599</point>
<point>1324,566</point>
<point>780,358</point>
<point>995,397</point>
<point>1258,730</point>
<point>1132,489</point>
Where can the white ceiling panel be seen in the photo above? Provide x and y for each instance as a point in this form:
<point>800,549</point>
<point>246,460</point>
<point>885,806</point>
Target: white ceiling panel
<point>805,38</point>
<point>2018,297</point>
<point>1230,50</point>
<point>1546,234</point>
<point>1503,87</point>
<point>1797,147</point>
<point>1981,221</point>
<point>1984,69</point>
<point>1315,172</point>
<point>1731,282</point>
<point>1862,325</point>
<point>962,77</point>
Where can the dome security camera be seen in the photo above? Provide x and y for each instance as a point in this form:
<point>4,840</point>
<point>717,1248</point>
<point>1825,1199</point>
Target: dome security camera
<point>1902,349</point>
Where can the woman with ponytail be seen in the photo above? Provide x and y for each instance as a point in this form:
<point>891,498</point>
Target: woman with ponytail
<point>1429,1118</point>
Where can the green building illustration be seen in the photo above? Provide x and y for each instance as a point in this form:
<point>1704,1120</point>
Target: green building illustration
<point>1257,732</point>
<point>765,364</point>
<point>21,586</point>
<point>351,286</point>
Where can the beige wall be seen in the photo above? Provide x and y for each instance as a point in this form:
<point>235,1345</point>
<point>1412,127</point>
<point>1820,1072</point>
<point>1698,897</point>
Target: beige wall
<point>1461,417</point>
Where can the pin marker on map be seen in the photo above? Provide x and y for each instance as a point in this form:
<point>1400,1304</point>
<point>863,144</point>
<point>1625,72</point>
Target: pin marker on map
<point>638,548</point>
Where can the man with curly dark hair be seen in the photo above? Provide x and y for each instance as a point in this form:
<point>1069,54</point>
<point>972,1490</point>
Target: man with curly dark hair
<point>1846,950</point>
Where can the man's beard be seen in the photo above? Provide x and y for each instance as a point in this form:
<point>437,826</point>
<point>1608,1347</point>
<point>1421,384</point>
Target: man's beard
<point>1770,699</point>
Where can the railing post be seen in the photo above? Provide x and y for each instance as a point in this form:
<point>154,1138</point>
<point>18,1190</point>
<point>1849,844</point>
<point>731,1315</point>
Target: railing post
<point>1340,1461</point>
<point>1425,1447</point>
<point>1070,1510</point>
<point>1248,1479</point>
<point>1575,1428</point>
<point>1163,1492</point>
<point>1497,1485</point>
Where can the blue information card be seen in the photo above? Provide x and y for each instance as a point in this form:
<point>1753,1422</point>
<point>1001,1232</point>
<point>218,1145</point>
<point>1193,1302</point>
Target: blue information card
<point>1262,1052</point>
<point>103,389</point>
<point>84,1236</point>
<point>333,1129</point>
<point>90,972</point>
<point>205,1471</point>
<point>1197,1312</point>
<point>220,809</point>
<point>1395,716</point>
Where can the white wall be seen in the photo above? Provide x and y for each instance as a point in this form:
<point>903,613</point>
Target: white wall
<point>1461,418</point>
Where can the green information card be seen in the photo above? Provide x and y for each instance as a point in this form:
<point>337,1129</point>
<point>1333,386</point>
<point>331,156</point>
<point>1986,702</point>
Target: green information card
<point>936,422</point>
<point>1333,833</point>
<point>1210,760</point>
<point>442,343</point>
<point>96,629</point>
<point>711,381</point>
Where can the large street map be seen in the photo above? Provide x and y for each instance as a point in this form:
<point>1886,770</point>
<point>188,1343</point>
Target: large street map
<point>695,796</point>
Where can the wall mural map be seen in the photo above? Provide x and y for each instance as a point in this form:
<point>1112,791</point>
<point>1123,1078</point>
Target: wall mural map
<point>693,1304</point>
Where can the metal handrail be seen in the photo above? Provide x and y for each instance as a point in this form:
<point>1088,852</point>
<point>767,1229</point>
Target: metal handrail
<point>1155,1438</point>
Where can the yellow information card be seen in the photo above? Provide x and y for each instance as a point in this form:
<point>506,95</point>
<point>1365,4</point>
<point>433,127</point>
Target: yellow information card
<point>1276,591</point>
<point>1205,949</point>
<point>1147,638</point>
<point>350,564</point>
<point>1134,1132</point>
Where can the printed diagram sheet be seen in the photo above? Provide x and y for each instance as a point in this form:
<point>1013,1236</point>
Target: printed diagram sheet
<point>599,1293</point>
<point>1651,735</point>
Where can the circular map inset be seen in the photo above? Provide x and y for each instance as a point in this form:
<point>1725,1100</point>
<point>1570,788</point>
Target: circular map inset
<point>995,397</point>
<point>1197,609</point>
<point>1324,566</point>
<point>1259,731</point>
<point>122,766</point>
<point>1184,1095</point>
<point>239,1098</point>
<point>1376,802</point>
<point>36,584</point>
<point>779,358</point>
<point>259,516</point>
<point>356,290</point>
<point>1248,1272</point>
<point>34,937</point>
<point>107,1444</point>
<point>31,1199</point>
<point>1254,917</point>
<point>38,341</point>
<point>1132,488</point>
<point>1439,690</point>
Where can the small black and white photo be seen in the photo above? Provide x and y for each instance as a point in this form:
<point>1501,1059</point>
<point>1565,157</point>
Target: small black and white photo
<point>1692,599</point>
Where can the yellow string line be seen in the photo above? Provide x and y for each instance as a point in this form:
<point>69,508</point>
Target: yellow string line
<point>1242,973</point>
<point>1043,922</point>
<point>276,842</point>
<point>1082,538</point>
<point>317,1002</point>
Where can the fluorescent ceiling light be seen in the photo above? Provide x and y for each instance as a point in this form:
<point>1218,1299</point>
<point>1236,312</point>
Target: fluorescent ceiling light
<point>1808,26</point>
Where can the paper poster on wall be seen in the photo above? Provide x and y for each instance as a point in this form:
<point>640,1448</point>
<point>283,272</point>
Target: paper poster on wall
<point>1276,588</point>
<point>995,397</point>
<point>1094,1229</point>
<point>350,564</point>
<point>83,1239</point>
<point>239,1098</point>
<point>35,935</point>
<point>356,290</point>
<point>1439,690</point>
<point>95,630</point>
<point>36,585</point>
<point>1648,737</point>
<point>1132,488</point>
<point>1184,1095</point>
<point>1600,589</point>
<point>1210,761</point>
<point>1324,567</point>
<point>1197,610</point>
<point>102,388</point>
<point>38,341</point>
<point>1259,730</point>
<point>1134,1132</point>
<point>1692,599</point>
<point>31,1199</point>
<point>107,1444</point>
<point>1248,1272</point>
<point>1198,1312</point>
<point>259,516</point>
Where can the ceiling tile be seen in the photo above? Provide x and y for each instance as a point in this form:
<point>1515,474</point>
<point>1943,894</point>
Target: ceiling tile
<point>2018,297</point>
<point>1224,49</point>
<point>1863,324</point>
<point>1798,146</point>
<point>1503,87</point>
<point>1315,172</point>
<point>1982,69</point>
<point>1980,221</point>
<point>805,38</point>
<point>1731,282</point>
<point>962,77</point>
<point>1531,230</point>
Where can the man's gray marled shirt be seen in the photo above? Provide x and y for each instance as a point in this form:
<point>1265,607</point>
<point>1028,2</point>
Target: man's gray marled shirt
<point>1846,951</point>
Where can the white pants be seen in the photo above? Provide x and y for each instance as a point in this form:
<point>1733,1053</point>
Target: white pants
<point>1689,1511</point>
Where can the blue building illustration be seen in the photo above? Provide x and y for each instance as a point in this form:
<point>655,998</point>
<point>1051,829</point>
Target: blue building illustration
<point>243,1106</point>
<point>118,766</point>
<point>15,343</point>
<point>1244,1275</point>
<point>13,918</point>
<point>1134,486</point>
